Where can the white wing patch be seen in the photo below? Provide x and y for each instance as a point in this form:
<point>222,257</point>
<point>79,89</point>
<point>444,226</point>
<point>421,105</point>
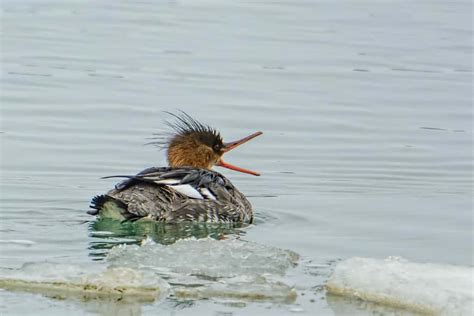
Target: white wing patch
<point>206,193</point>
<point>168,181</point>
<point>187,190</point>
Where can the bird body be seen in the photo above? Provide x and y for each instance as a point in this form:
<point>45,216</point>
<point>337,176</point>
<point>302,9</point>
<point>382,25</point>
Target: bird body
<point>187,190</point>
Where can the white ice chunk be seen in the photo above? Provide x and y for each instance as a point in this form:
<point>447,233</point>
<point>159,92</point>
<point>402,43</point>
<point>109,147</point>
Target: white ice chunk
<point>427,288</point>
<point>187,190</point>
<point>64,281</point>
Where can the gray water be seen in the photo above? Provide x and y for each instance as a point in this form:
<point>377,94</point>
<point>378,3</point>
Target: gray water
<point>366,109</point>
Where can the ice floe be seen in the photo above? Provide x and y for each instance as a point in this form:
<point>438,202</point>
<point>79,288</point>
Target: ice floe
<point>190,268</point>
<point>242,288</point>
<point>206,268</point>
<point>427,288</point>
<point>69,281</point>
<point>209,257</point>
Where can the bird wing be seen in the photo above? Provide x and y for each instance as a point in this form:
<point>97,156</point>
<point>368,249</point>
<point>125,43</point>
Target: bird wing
<point>180,194</point>
<point>190,182</point>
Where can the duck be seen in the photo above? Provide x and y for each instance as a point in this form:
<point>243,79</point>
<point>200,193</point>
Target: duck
<point>188,189</point>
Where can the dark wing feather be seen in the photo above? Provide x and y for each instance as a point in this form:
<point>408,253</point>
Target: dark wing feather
<point>150,194</point>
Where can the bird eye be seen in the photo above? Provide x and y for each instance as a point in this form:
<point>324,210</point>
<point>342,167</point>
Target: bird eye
<point>217,147</point>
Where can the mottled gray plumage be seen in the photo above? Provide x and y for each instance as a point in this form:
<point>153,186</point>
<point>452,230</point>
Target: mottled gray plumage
<point>150,194</point>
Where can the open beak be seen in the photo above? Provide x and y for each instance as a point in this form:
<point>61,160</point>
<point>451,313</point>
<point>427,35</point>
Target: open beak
<point>231,145</point>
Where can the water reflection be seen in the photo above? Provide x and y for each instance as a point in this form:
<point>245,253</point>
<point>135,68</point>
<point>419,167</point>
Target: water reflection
<point>108,233</point>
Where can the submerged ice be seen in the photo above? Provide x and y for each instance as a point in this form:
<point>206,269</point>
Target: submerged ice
<point>205,268</point>
<point>428,288</point>
<point>208,257</point>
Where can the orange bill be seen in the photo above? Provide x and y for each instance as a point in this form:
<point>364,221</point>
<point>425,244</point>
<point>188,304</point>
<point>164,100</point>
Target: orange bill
<point>231,145</point>
<point>224,164</point>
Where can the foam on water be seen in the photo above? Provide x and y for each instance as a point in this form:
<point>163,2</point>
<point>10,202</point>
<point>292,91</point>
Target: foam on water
<point>428,288</point>
<point>69,281</point>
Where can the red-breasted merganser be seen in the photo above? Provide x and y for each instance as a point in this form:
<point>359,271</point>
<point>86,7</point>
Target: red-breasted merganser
<point>187,190</point>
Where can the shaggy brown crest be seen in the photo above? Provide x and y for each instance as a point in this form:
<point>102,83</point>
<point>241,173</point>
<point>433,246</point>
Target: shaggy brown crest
<point>197,145</point>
